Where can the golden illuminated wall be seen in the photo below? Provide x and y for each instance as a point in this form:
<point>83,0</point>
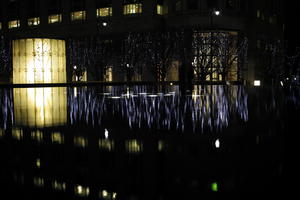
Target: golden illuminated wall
<point>39,61</point>
<point>40,107</point>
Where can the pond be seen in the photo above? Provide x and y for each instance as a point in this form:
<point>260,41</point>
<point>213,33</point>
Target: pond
<point>144,142</point>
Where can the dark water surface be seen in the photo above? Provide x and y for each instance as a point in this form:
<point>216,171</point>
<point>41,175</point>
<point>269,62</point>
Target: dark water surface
<point>145,142</point>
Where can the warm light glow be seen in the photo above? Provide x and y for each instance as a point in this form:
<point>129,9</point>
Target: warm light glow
<point>40,107</point>
<point>1,132</point>
<point>217,12</point>
<point>37,136</point>
<point>104,12</point>
<point>38,181</point>
<point>82,191</point>
<point>17,133</point>
<point>38,163</point>
<point>159,9</point>
<point>13,24</point>
<point>57,138</point>
<point>39,61</point>
<point>33,21</point>
<point>0,25</point>
<point>106,133</point>
<point>257,83</point>
<point>132,8</point>
<point>59,186</point>
<point>106,144</point>
<point>134,146</point>
<point>80,141</point>
<point>54,18</point>
<point>78,15</point>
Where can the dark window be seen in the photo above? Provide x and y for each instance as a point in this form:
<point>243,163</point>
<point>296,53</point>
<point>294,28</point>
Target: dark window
<point>232,4</point>
<point>132,1</point>
<point>33,8</point>
<point>103,3</point>
<point>192,4</point>
<point>178,6</point>
<point>160,2</point>
<point>212,3</point>
<point>54,6</point>
<point>77,5</point>
<point>13,9</point>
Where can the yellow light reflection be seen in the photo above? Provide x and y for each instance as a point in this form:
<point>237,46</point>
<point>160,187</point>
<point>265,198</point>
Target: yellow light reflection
<point>134,146</point>
<point>57,138</point>
<point>37,136</point>
<point>39,61</point>
<point>17,134</point>
<point>1,133</point>
<point>80,141</point>
<point>59,186</point>
<point>40,107</point>
<point>81,191</point>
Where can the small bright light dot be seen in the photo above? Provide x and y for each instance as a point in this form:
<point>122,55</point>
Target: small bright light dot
<point>104,193</point>
<point>257,83</point>
<point>217,12</point>
<point>106,133</point>
<point>127,65</point>
<point>217,143</point>
<point>104,23</point>
<point>114,195</point>
<point>75,67</point>
<point>295,79</point>
<point>281,83</point>
<point>214,186</point>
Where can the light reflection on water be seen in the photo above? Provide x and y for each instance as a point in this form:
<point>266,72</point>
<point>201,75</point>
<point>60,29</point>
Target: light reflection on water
<point>203,108</point>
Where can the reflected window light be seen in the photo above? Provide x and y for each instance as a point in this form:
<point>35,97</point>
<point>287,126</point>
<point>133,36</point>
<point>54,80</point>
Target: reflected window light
<point>257,83</point>
<point>132,8</point>
<point>81,191</point>
<point>38,181</point>
<point>80,141</point>
<point>106,133</point>
<point>133,146</point>
<point>1,132</point>
<point>217,143</point>
<point>104,12</point>
<point>59,186</point>
<point>78,15</point>
<point>17,134</point>
<point>33,21</point>
<point>52,19</point>
<point>106,144</point>
<point>0,25</point>
<point>18,177</point>
<point>161,145</point>
<point>13,24</point>
<point>214,187</point>
<point>37,136</point>
<point>57,138</point>
<point>38,163</point>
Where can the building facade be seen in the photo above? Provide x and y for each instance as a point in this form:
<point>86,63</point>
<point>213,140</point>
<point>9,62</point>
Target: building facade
<point>261,22</point>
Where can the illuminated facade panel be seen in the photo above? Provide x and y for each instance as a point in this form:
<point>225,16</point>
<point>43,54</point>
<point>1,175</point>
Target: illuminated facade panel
<point>78,16</point>
<point>39,61</point>
<point>159,9</point>
<point>33,21</point>
<point>14,24</point>
<point>104,12</point>
<point>132,9</point>
<point>40,107</point>
<point>52,19</point>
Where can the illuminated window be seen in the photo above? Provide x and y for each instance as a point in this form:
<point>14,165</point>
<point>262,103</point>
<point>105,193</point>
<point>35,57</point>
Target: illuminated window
<point>104,12</point>
<point>108,77</point>
<point>0,25</point>
<point>38,163</point>
<point>258,14</point>
<point>59,186</point>
<point>78,16</point>
<point>38,182</point>
<point>57,138</point>
<point>106,195</point>
<point>132,8</point>
<point>37,136</point>
<point>159,9</point>
<point>81,191</point>
<point>52,19</point>
<point>161,145</point>
<point>17,134</point>
<point>106,144</point>
<point>80,141</point>
<point>33,21</point>
<point>14,24</point>
<point>134,146</point>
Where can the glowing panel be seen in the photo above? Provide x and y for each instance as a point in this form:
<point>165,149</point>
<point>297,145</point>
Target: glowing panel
<point>40,107</point>
<point>39,61</point>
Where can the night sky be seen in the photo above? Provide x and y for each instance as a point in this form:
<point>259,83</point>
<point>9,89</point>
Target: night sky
<point>292,25</point>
